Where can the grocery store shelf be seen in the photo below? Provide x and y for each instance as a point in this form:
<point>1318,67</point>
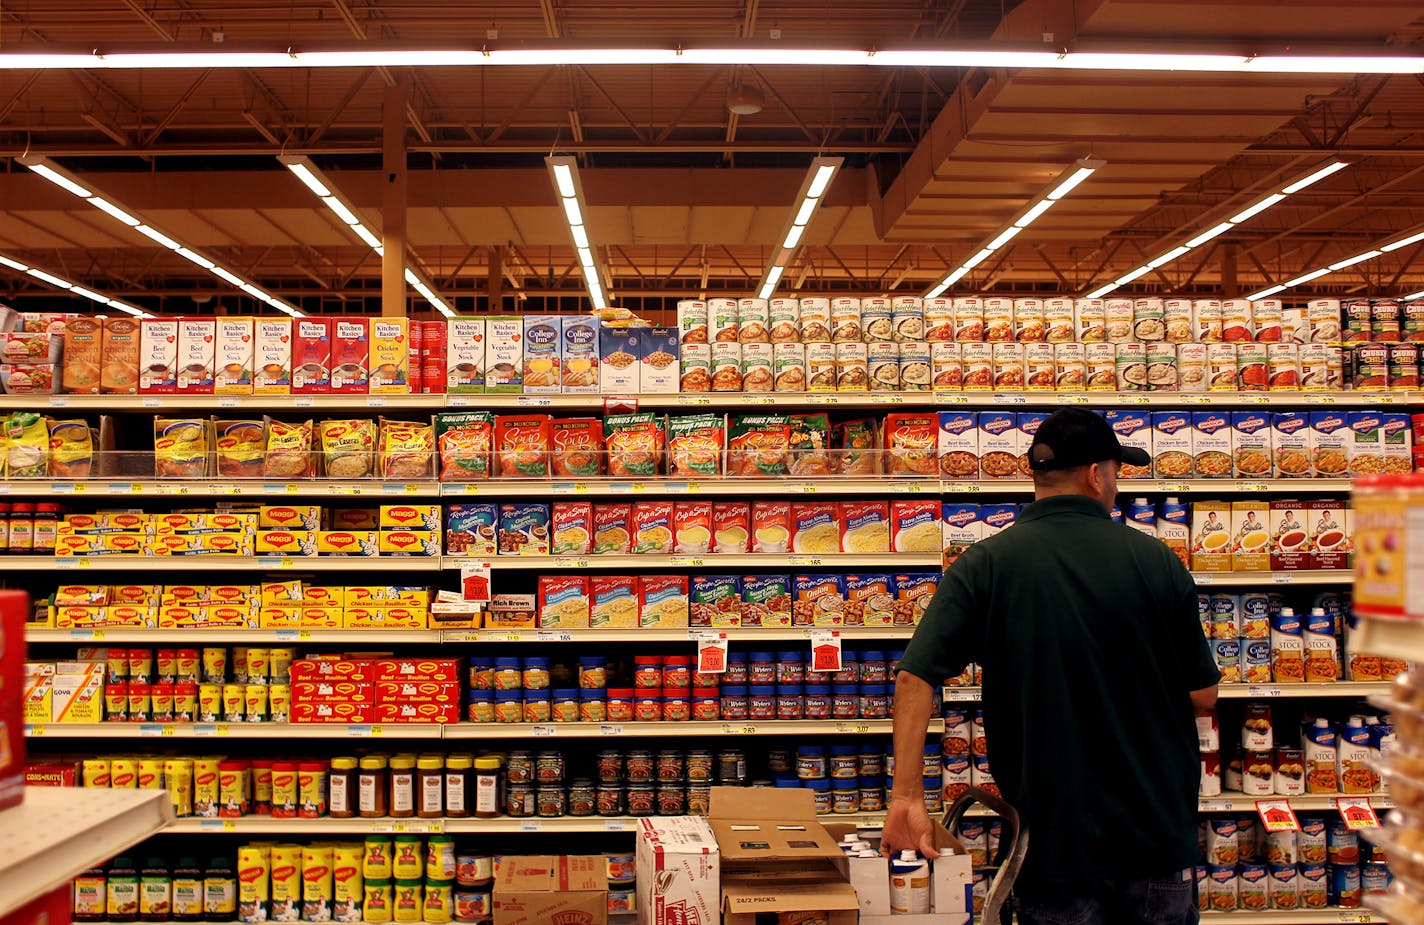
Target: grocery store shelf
<point>57,833</point>
<point>226,634</point>
<point>1339,576</point>
<point>668,634</point>
<point>710,560</point>
<point>1330,916</point>
<point>266,825</point>
<point>118,730</point>
<point>1240,802</point>
<point>677,730</point>
<point>830,485</point>
<point>219,563</point>
<point>1397,638</point>
<point>1332,689</point>
<point>200,488</point>
<point>707,400</point>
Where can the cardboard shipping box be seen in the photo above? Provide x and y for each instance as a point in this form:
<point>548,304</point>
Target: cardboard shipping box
<point>537,890</point>
<point>951,879</point>
<point>678,871</point>
<point>776,857</point>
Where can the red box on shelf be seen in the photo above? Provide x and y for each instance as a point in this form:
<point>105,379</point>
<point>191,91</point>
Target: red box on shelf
<point>14,610</point>
<point>335,712</point>
<point>53,908</point>
<point>338,690</point>
<point>418,713</point>
<point>316,669</point>
<point>417,692</point>
<point>418,669</point>
<point>52,774</point>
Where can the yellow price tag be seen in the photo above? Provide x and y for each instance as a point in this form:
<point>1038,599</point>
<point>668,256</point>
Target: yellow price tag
<point>98,636</point>
<point>378,731</point>
<point>731,730</point>
<point>412,489</point>
<point>35,731</point>
<point>471,488</point>
<point>220,730</point>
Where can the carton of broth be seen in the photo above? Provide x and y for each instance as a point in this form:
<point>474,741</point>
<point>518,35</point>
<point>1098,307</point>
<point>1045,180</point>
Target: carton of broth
<point>1328,535</point>
<point>272,356</point>
<point>1250,535</point>
<point>1290,535</point>
<point>158,355</point>
<point>232,372</point>
<point>119,375</point>
<point>1211,536</point>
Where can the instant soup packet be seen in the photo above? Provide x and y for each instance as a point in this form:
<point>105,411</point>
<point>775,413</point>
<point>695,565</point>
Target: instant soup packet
<point>635,444</point>
<point>576,447</point>
<point>857,445</point>
<point>466,443</point>
<point>695,445</point>
<point>407,449</point>
<point>289,450</point>
<point>71,449</point>
<point>26,446</point>
<point>181,448</point>
<point>241,448</point>
<point>348,448</point>
<point>759,446</point>
<point>522,445</point>
<point>810,445</point>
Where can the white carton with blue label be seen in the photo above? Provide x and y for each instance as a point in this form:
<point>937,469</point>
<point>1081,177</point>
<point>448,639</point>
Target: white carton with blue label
<point>951,879</point>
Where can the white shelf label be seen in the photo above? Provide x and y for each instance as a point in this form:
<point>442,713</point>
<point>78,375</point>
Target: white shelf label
<point>1072,399</point>
<point>964,488</point>
<point>303,401</point>
<point>1188,398</point>
<point>544,730</point>
<point>533,401</point>
<point>375,401</point>
<point>733,729</point>
<point>1282,578</point>
<point>617,825</point>
<point>364,731</point>
<point>565,562</point>
<point>1010,398</point>
<point>1133,398</point>
<point>1252,486</point>
<point>58,488</point>
<point>852,728</point>
<point>217,825</point>
<point>227,401</point>
<point>686,561</point>
<point>86,635</point>
<point>1257,690</point>
<point>1216,806</point>
<point>804,561</point>
<point>530,825</point>
<point>156,731</point>
<point>151,401</point>
<point>1253,398</point>
<point>210,730</point>
<point>553,636</point>
<point>961,694</point>
<point>1204,579</point>
<point>610,729</point>
<point>951,398</point>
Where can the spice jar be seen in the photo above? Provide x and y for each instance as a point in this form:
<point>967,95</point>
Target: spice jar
<point>677,671</point>
<point>311,789</point>
<point>430,786</point>
<point>487,787</point>
<point>402,778</point>
<point>341,788</point>
<point>519,800</point>
<point>648,672</point>
<point>593,673</point>
<point>457,785</point>
<point>536,673</point>
<point>372,787</point>
<point>620,704</point>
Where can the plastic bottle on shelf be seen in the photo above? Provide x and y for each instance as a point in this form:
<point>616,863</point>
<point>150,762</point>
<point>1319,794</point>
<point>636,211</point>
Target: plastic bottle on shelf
<point>155,891</point>
<point>121,903</point>
<point>4,529</point>
<point>22,529</point>
<point>341,788</point>
<point>219,891</point>
<point>187,901</point>
<point>402,775</point>
<point>46,529</point>
<point>91,895</point>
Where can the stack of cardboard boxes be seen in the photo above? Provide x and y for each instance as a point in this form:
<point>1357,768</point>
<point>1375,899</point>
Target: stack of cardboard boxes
<point>383,690</point>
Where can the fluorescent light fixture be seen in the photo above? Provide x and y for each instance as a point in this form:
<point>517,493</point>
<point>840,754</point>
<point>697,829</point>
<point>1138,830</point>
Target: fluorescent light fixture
<point>342,212</point>
<point>812,193</point>
<point>1063,184</point>
<point>59,179</point>
<point>105,205</point>
<point>411,278</point>
<point>1302,280</point>
<point>1414,295</point>
<point>304,173</point>
<point>568,189</point>
<point>1402,242</point>
<point>368,237</point>
<point>1316,175</point>
<point>50,278</point>
<point>1265,293</point>
<point>1256,209</point>
<point>13,264</point>
<point>197,258</point>
<point>59,282</point>
<point>1351,261</point>
<point>1411,236</point>
<point>158,236</point>
<point>1321,64</point>
<point>228,276</point>
<point>89,294</point>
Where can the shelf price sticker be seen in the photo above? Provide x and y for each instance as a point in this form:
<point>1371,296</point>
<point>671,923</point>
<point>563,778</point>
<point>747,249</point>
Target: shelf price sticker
<point>853,728</point>
<point>825,651</point>
<point>1216,806</point>
<point>565,562</point>
<point>1072,399</point>
<point>1204,578</point>
<point>1010,398</point>
<point>1357,812</point>
<point>1252,486</point>
<point>964,488</point>
<point>687,562</point>
<point>712,653</point>
<point>35,730</point>
<point>961,694</point>
<point>544,730</point>
<point>553,636</point>
<point>1259,690</point>
<point>1133,399</point>
<point>475,582</point>
<point>530,825</point>
<point>365,731</point>
<point>951,398</point>
<point>804,561</point>
<point>1282,578</point>
<point>1277,816</point>
<point>734,729</point>
<point>64,562</point>
<point>1356,917</point>
<point>157,731</point>
<point>610,729</point>
<point>217,825</point>
<point>86,635</point>
<point>210,730</point>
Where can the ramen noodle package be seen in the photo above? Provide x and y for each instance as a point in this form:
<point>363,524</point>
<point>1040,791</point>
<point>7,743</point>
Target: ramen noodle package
<point>692,321</point>
<point>652,528</point>
<point>1251,538</point>
<point>816,527</point>
<point>634,443</point>
<point>407,449</point>
<point>1251,445</point>
<point>1172,456</point>
<point>1211,536</point>
<point>311,356</point>
<point>350,355</point>
<point>272,356</point>
<point>726,367</point>
<point>1290,442</point>
<point>759,446</point>
<point>576,447</point>
<point>119,363</point>
<point>1026,425</point>
<point>180,448</point>
<point>542,354</point>
<point>71,450</point>
<point>289,450</point>
<point>958,445</point>
<point>696,370</point>
<point>578,364</point>
<point>1133,428</point>
<point>662,601</point>
<point>695,445</point>
<point>612,529</point>
<point>856,448</point>
<point>771,526</point>
<point>571,525</point>
<point>523,529</point>
<point>1289,536</point>
<point>731,527</point>
<point>659,370</point>
<point>348,448</point>
<point>915,526</point>
<point>158,355</point>
<point>865,527</point>
<point>466,442</point>
<point>563,602</point>
<point>911,444</point>
<point>241,448</point>
<point>810,446</point>
<point>998,445</point>
<point>522,445</point>
<point>83,355</point>
<point>620,353</point>
<point>692,528</point>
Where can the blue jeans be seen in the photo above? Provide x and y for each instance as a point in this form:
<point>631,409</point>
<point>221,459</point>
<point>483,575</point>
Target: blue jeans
<point>1169,900</point>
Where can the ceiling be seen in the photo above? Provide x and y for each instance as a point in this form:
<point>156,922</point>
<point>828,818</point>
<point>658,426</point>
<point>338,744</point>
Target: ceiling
<point>683,197</point>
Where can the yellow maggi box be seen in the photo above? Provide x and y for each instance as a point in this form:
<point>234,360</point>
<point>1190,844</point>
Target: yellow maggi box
<point>200,544</point>
<point>179,594</point>
<point>286,542</point>
<point>321,616</point>
<point>385,618</point>
<point>136,594</point>
<point>79,617</point>
<point>184,524</point>
<point>176,616</point>
<point>355,518</point>
<point>233,594</point>
<point>278,617</point>
<point>376,595</point>
<point>410,543</point>
<point>347,543</point>
<point>229,615</point>
<point>82,595</point>
<point>108,544</point>
<point>410,517</point>
<point>131,615</point>
<point>110,522</point>
<point>39,691</point>
<point>315,594</point>
<point>289,517</point>
<point>280,592</point>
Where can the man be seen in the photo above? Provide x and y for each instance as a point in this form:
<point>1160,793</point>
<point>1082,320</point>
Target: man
<point>1094,664</point>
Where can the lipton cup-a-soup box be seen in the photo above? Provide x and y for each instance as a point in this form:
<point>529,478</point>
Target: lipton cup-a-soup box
<point>1211,536</point>
<point>563,602</point>
<point>662,600</point>
<point>1251,538</point>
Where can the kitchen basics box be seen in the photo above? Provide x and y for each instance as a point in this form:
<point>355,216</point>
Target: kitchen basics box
<point>542,889</point>
<point>679,871</point>
<point>777,858</point>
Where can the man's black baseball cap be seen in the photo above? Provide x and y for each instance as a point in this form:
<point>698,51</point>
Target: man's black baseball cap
<point>1073,437</point>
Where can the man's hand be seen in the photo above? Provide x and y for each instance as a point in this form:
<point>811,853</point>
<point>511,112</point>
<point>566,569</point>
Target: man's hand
<point>908,827</point>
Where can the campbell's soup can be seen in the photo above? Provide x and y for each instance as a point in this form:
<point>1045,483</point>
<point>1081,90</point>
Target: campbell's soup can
<point>1221,367</point>
<point>1040,371</point>
<point>1177,317</point>
<point>1236,325</point>
<point>1210,774</point>
<point>1266,317</point>
<point>1101,359</point>
<point>1344,887</point>
<point>969,320</point>
<point>1323,317</point>
<point>1058,321</point>
<point>1314,367</point>
<point>947,365</point>
<point>1090,321</point>
<point>1206,321</point>
<point>939,320</point>
<point>1029,324</point>
<point>1131,366</point>
<point>1357,322</point>
<point>1162,367</point>
<point>1192,370</point>
<point>1384,321</point>
<point>1119,314</point>
<point>1336,380</point>
<point>1070,362</point>
<point>1294,325</point>
<point>1283,367</point>
<point>1008,366</point>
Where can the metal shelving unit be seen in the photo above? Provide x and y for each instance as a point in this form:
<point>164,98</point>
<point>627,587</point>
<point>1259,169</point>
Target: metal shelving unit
<point>57,833</point>
<point>232,730</point>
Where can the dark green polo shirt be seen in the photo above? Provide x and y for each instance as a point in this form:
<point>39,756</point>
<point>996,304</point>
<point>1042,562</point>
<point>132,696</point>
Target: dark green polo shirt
<point>1088,635</point>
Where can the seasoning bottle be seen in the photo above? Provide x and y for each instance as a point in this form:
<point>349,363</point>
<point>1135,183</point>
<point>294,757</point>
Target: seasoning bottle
<point>219,891</point>
<point>91,895</point>
<point>46,529</point>
<point>187,891</point>
<point>311,789</point>
<point>22,529</point>
<point>430,786</point>
<point>457,785</point>
<point>372,787</point>
<point>341,792</point>
<point>401,803</point>
<point>155,892</point>
<point>488,800</point>
<point>121,903</point>
<point>4,528</point>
